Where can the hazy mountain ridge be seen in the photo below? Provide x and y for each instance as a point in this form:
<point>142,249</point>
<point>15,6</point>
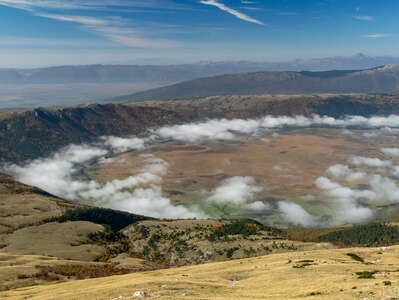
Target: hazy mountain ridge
<point>84,84</point>
<point>123,73</point>
<point>377,80</point>
<point>175,73</point>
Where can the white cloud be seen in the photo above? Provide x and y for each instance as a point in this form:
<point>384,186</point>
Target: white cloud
<point>376,35</point>
<point>229,129</point>
<point>295,214</point>
<point>364,18</point>
<point>361,161</point>
<point>347,209</point>
<point>257,206</point>
<point>385,188</point>
<point>356,176</point>
<point>123,144</point>
<point>236,190</point>
<point>210,130</point>
<point>104,5</point>
<point>231,11</point>
<point>140,193</point>
<point>338,171</point>
<point>31,4</point>
<point>116,29</point>
<point>84,20</point>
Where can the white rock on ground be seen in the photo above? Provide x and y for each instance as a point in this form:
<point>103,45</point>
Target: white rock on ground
<point>139,294</point>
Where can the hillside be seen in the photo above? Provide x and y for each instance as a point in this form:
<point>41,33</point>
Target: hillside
<point>37,133</point>
<point>48,130</point>
<point>378,80</point>
<point>39,232</point>
<point>319,274</point>
<point>54,249</point>
<point>46,239</point>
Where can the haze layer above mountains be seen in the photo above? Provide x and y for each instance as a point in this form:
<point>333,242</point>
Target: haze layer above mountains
<point>70,85</point>
<point>175,73</point>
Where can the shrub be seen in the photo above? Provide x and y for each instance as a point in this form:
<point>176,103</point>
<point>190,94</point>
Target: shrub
<point>366,274</point>
<point>230,252</point>
<point>115,220</point>
<point>240,227</point>
<point>77,271</point>
<point>374,234</point>
<point>355,257</point>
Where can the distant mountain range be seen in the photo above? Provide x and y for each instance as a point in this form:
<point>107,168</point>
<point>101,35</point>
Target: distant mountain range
<point>71,85</point>
<point>377,80</point>
<point>168,74</point>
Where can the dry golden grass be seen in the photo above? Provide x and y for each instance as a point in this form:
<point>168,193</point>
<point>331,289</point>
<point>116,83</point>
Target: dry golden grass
<point>64,240</point>
<point>329,275</point>
<point>23,209</point>
<point>16,270</point>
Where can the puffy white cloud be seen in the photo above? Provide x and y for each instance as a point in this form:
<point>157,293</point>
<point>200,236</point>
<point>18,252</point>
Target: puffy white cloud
<point>347,209</point>
<point>338,171</point>
<point>355,176</point>
<point>140,193</point>
<point>295,214</point>
<point>119,144</point>
<point>229,129</point>
<point>257,206</point>
<point>237,190</point>
<point>385,188</point>
<point>210,130</point>
<point>361,161</point>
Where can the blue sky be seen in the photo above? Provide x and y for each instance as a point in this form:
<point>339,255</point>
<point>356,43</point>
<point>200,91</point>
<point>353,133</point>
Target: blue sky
<point>52,32</point>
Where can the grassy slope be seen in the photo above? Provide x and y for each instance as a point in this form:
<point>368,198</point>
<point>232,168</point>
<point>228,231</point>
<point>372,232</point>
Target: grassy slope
<point>28,228</point>
<point>329,274</point>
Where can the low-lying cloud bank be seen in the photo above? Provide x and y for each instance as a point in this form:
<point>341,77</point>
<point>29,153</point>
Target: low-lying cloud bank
<point>353,205</point>
<point>229,129</point>
<point>142,192</point>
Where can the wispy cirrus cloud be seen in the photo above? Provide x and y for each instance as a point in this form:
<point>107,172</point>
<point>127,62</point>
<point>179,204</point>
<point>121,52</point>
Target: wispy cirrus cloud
<point>364,18</point>
<point>84,20</point>
<point>113,28</point>
<point>376,35</point>
<point>90,4</point>
<point>30,5</point>
<point>231,11</point>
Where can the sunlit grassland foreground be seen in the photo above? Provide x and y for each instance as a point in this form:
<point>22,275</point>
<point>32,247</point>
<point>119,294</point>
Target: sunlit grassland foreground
<point>318,274</point>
